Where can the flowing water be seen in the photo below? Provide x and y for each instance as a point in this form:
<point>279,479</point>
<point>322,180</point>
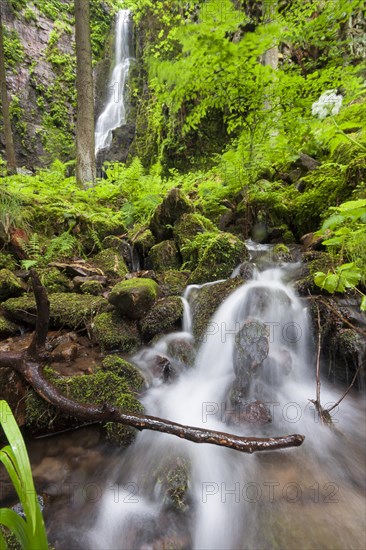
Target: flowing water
<point>309,497</point>
<point>164,492</point>
<point>115,110</point>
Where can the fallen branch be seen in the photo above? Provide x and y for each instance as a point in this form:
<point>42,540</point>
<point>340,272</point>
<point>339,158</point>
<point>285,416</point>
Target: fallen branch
<point>30,363</point>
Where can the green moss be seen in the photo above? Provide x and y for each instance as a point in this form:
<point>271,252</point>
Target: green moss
<point>218,257</point>
<point>172,282</point>
<point>66,309</point>
<point>92,287</point>
<point>174,205</point>
<point>356,171</point>
<point>113,332</point>
<point>165,315</point>
<point>174,477</point>
<point>7,328</point>
<point>186,229</point>
<point>99,388</point>
<point>127,371</point>
<point>164,256</point>
<point>134,297</point>
<point>53,279</point>
<point>111,263</point>
<point>142,240</point>
<point>9,285</point>
<point>207,300</point>
<point>7,261</point>
<point>281,253</point>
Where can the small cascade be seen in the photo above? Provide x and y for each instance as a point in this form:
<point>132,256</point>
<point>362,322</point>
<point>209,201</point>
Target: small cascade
<point>164,492</point>
<point>115,111</point>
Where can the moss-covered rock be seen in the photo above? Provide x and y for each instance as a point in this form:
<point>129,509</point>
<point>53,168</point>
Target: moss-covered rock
<point>113,332</point>
<point>134,297</point>
<point>174,205</point>
<point>10,286</point>
<point>142,239</point>
<point>173,476</point>
<point>281,253</point>
<point>7,328</point>
<point>172,282</point>
<point>314,261</point>
<point>221,254</point>
<point>164,256</point>
<point>356,171</point>
<point>53,279</point>
<point>101,387</point>
<point>66,309</point>
<point>7,261</point>
<point>92,287</point>
<point>164,316</point>
<point>125,370</point>
<point>187,228</point>
<point>206,301</point>
<point>280,234</point>
<point>111,263</point>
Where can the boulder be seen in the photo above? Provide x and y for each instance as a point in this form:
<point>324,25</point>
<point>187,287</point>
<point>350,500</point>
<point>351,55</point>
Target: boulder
<point>111,263</point>
<point>7,328</point>
<point>174,205</point>
<point>113,332</point>
<point>10,286</point>
<point>173,282</point>
<point>186,229</point>
<point>164,316</point>
<point>205,302</point>
<point>164,256</point>
<point>217,260</point>
<point>133,298</point>
<point>125,370</point>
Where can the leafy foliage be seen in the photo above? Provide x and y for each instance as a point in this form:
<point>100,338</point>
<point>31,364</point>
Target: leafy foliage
<point>30,531</point>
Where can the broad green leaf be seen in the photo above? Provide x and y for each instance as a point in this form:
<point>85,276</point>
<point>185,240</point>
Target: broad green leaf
<point>18,526</point>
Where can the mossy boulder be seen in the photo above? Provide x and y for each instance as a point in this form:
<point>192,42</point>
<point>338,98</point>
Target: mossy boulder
<point>174,205</point>
<point>173,476</point>
<point>221,253</point>
<point>205,302</point>
<point>314,261</point>
<point>133,298</point>
<point>111,263</point>
<point>356,171</point>
<point>53,279</point>
<point>173,282</point>
<point>66,309</point>
<point>10,286</point>
<point>164,316</point>
<point>164,256</point>
<point>125,370</point>
<point>186,229</point>
<point>142,240</point>
<point>102,387</point>
<point>7,328</point>
<point>7,261</point>
<point>113,332</point>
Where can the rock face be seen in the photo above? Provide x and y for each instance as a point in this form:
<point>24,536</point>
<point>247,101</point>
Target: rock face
<point>115,333</point>
<point>134,298</point>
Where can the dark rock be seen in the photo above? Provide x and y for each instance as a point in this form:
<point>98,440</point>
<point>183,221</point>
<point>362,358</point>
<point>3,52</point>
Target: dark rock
<point>134,297</point>
<point>164,316</point>
<point>311,242</point>
<point>182,351</point>
<point>163,369</point>
<point>7,328</point>
<point>164,256</point>
<point>168,212</point>
<point>113,332</point>
<point>10,286</point>
<point>172,282</point>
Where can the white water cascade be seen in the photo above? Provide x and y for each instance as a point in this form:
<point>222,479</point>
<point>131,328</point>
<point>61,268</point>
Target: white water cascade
<point>114,114</point>
<point>295,498</point>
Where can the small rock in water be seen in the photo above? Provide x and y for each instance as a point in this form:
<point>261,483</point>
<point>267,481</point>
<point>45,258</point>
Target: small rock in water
<point>162,368</point>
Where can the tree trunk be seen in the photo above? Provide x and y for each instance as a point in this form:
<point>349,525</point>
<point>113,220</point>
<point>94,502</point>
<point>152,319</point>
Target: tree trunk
<point>9,143</point>
<point>85,141</point>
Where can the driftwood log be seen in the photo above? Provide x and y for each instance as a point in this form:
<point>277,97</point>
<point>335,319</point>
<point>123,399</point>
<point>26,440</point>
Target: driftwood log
<point>30,362</point>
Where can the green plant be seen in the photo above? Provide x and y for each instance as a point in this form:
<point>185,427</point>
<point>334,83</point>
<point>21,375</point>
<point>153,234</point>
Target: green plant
<point>345,232</point>
<point>13,214</point>
<point>30,531</point>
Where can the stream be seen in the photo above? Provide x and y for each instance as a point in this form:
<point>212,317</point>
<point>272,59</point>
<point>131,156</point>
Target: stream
<point>166,493</point>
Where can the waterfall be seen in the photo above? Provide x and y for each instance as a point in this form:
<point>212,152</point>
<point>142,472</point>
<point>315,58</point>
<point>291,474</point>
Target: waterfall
<point>298,498</point>
<point>114,114</point>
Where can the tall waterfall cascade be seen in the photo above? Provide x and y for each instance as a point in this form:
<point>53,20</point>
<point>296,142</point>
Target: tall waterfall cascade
<point>114,113</point>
